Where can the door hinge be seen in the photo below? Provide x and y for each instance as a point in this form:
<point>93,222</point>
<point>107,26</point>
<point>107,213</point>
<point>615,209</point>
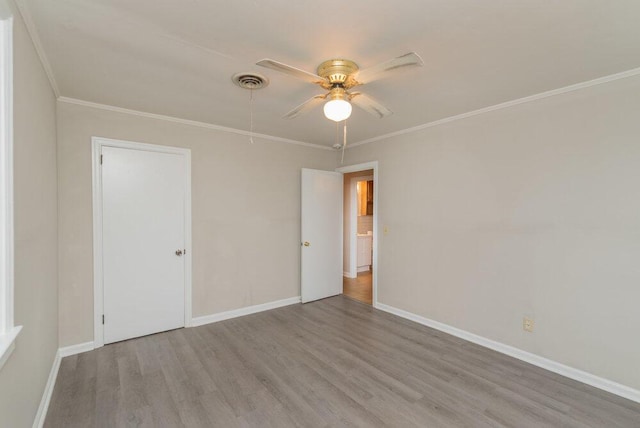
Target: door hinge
<point>102,319</point>
<point>100,159</point>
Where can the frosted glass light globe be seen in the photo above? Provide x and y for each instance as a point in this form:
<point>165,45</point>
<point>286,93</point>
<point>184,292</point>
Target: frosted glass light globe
<point>337,110</point>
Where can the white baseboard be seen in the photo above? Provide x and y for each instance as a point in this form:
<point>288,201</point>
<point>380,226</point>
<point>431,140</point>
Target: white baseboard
<point>545,363</point>
<point>76,349</point>
<point>349,275</point>
<point>41,414</point>
<point>221,316</point>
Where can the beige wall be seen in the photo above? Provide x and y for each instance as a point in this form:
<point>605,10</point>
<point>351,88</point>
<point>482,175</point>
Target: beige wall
<point>23,377</point>
<point>245,212</point>
<point>531,210</point>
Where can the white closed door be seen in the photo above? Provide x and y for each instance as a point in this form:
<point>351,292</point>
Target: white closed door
<point>143,240</point>
<point>321,270</point>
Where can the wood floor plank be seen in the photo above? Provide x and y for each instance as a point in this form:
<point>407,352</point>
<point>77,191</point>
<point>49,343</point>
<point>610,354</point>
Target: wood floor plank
<point>132,408</point>
<point>219,412</point>
<point>165,410</point>
<point>107,387</point>
<point>335,362</point>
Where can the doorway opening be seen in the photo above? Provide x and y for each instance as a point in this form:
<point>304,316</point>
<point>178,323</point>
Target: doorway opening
<point>359,235</point>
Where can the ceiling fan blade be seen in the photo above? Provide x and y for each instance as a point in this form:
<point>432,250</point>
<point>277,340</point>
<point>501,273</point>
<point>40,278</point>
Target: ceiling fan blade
<point>377,71</point>
<point>305,106</point>
<point>291,71</point>
<point>369,105</point>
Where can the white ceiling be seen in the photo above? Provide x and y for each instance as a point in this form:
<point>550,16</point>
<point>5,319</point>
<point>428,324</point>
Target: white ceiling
<point>176,57</point>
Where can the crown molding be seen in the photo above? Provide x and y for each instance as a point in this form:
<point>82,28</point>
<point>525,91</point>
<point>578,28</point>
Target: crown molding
<point>190,122</point>
<point>37,44</point>
<point>507,104</point>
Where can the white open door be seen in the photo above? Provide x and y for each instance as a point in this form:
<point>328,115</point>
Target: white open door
<point>321,234</point>
<point>143,225</point>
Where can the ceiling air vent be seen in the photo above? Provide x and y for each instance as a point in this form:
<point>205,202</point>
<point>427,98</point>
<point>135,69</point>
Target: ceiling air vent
<point>250,80</point>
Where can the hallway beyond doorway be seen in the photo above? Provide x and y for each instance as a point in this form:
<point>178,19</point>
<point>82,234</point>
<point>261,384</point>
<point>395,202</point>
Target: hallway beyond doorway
<point>359,288</point>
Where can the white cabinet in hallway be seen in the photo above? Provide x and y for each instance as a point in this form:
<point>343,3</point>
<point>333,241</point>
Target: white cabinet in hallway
<point>365,252</point>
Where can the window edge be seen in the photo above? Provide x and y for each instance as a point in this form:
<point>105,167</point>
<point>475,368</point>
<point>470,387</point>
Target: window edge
<point>7,344</point>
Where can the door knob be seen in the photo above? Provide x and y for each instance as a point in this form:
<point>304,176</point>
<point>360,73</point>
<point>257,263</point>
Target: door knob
<point>178,252</point>
<point>306,243</point>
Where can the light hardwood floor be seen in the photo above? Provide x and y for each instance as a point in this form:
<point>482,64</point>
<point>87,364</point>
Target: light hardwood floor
<point>335,362</point>
<point>359,288</point>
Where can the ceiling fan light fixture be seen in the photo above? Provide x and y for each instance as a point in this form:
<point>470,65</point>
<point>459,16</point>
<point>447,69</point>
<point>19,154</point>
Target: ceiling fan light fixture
<point>339,77</point>
<point>337,110</point>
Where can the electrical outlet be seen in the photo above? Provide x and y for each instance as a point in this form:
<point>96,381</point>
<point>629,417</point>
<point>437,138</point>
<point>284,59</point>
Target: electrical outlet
<point>527,324</point>
<point>385,230</point>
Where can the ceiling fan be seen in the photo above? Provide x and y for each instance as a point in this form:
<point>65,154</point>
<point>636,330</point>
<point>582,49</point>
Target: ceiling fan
<point>338,77</point>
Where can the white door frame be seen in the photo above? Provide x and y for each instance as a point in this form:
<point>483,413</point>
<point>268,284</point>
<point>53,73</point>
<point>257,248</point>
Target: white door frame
<point>363,167</point>
<point>98,287</point>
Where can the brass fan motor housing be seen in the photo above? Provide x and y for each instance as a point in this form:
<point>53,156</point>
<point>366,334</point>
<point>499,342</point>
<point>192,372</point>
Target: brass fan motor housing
<point>338,71</point>
<point>338,93</point>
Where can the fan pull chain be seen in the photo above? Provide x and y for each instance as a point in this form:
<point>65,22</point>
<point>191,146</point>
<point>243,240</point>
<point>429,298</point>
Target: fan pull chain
<point>344,141</point>
<point>251,115</point>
